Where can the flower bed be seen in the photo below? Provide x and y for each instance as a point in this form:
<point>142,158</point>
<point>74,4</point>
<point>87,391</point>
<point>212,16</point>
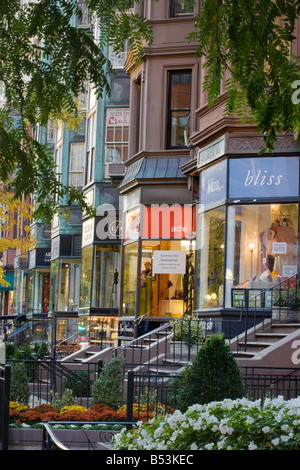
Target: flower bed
<point>23,416</point>
<point>227,425</point>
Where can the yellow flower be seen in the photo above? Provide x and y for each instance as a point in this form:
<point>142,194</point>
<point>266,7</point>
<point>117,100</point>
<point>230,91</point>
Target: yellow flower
<point>17,406</point>
<point>136,408</point>
<point>76,408</point>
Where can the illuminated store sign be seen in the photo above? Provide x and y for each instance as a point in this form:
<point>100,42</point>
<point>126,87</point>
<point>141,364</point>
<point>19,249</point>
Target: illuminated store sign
<point>264,177</point>
<point>213,184</point>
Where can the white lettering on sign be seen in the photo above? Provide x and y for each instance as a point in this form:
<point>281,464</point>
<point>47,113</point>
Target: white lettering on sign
<point>262,178</point>
<point>213,186</point>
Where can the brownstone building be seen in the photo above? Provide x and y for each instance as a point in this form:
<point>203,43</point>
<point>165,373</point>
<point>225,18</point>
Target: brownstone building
<point>216,220</point>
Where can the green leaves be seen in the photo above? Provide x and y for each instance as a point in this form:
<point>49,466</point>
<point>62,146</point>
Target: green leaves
<point>252,42</point>
<point>45,60</point>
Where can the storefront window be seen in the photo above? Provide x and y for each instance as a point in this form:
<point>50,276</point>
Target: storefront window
<point>262,245</point>
<point>104,331</point>
<point>38,291</point>
<point>211,248</point>
<point>166,278</point>
<point>130,276</point>
<point>106,276</point>
<point>86,277</point>
<point>66,276</point>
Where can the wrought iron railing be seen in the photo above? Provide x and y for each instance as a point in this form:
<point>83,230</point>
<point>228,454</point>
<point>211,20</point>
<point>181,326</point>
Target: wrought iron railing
<point>4,405</point>
<point>104,435</point>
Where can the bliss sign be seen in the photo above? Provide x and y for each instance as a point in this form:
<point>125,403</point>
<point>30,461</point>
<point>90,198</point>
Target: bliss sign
<point>264,177</point>
<point>213,184</point>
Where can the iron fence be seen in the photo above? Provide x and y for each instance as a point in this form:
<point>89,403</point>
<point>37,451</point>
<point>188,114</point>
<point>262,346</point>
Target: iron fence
<point>4,405</point>
<point>47,377</point>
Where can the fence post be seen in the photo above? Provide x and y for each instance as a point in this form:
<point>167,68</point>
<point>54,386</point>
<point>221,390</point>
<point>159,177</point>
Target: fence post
<point>130,393</point>
<point>189,340</point>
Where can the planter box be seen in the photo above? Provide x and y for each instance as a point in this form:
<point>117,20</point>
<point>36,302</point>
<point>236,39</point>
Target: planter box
<point>285,314</point>
<point>22,439</point>
<point>180,348</point>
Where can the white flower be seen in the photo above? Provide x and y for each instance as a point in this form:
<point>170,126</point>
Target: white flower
<point>285,438</point>
<point>209,446</point>
<point>275,442</point>
<point>266,429</point>
<point>284,427</point>
<point>252,446</point>
<point>157,432</point>
<point>194,446</point>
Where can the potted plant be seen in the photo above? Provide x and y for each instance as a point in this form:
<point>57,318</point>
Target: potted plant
<point>187,333</point>
<point>286,301</point>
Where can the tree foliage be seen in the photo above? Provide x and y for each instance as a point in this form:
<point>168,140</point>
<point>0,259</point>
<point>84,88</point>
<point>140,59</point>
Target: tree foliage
<point>45,59</point>
<point>249,43</point>
<point>14,213</point>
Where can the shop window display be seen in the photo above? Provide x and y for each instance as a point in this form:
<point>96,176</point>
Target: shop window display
<point>166,278</point>
<point>66,274</point>
<point>211,249</point>
<point>130,277</point>
<point>86,277</point>
<point>262,245</point>
<point>38,291</point>
<point>106,276</point>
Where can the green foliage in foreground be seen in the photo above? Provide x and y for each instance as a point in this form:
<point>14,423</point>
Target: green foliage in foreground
<point>212,376</point>
<point>109,387</point>
<point>226,425</point>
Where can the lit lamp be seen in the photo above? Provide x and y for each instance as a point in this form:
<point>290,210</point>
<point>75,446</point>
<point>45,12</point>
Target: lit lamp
<point>251,246</point>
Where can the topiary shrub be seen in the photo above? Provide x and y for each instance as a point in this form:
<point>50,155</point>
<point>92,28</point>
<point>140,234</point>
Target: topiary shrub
<point>109,387</point>
<point>212,376</point>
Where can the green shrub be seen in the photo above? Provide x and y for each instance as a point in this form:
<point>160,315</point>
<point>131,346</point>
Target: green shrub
<point>212,376</point>
<point>189,330</point>
<point>109,387</point>
<point>19,384</point>
<point>67,399</point>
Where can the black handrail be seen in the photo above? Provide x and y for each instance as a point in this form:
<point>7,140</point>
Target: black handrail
<point>51,441</point>
<point>262,295</point>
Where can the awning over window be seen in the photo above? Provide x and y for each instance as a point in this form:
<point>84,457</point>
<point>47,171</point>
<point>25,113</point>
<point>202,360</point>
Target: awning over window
<point>9,277</point>
<point>154,168</point>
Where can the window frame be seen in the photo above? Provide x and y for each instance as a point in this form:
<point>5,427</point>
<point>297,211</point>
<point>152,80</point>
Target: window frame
<point>184,14</point>
<point>170,110</point>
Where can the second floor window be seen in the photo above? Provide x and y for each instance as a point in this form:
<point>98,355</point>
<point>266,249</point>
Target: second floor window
<point>179,109</point>
<point>76,164</point>
<point>117,134</point>
<point>91,144</point>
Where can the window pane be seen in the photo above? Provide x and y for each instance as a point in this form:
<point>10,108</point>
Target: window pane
<point>76,164</point>
<point>211,258</point>
<point>86,277</point>
<point>179,108</point>
<point>130,273</point>
<point>117,127</point>
<point>106,273</point>
<point>181,91</point>
<point>180,128</point>
<point>181,8</point>
<point>262,245</point>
